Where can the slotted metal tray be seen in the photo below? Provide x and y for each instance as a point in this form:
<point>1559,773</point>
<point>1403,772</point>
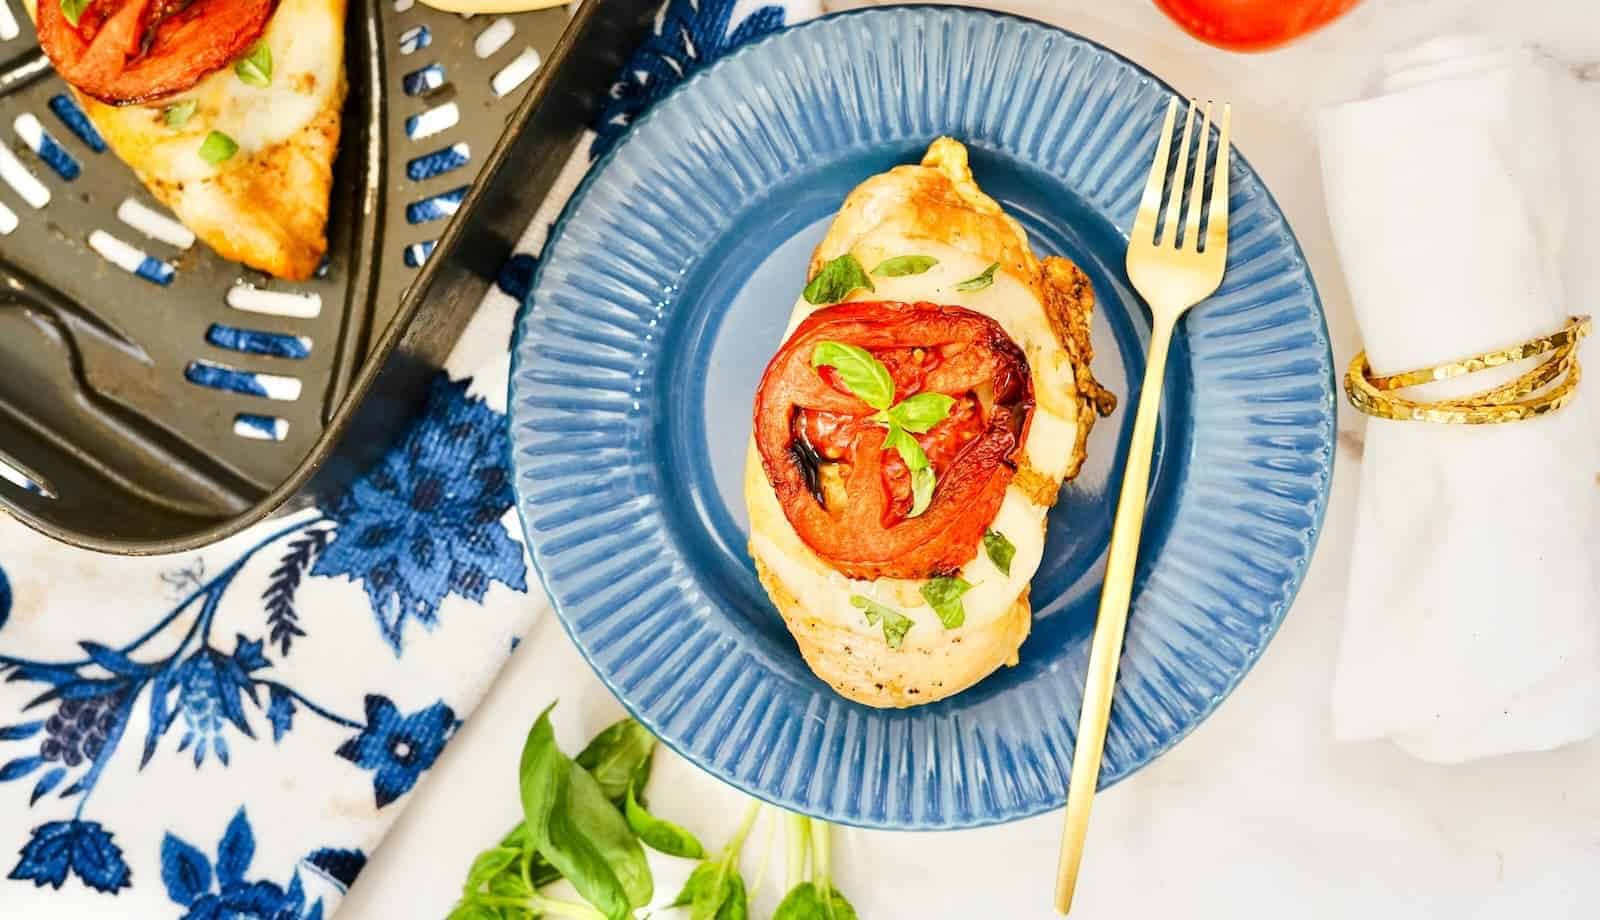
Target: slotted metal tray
<point>157,398</point>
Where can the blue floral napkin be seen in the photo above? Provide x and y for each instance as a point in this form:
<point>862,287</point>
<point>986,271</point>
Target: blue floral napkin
<point>229,733</point>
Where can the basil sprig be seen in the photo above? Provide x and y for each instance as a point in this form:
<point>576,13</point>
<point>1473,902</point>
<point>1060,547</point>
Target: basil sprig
<point>578,830</point>
<point>943,594</point>
<point>979,281</point>
<point>811,895</point>
<point>999,549</point>
<point>900,266</point>
<point>918,413</point>
<point>867,378</point>
<point>255,68</point>
<point>715,890</point>
<point>895,623</point>
<point>574,821</point>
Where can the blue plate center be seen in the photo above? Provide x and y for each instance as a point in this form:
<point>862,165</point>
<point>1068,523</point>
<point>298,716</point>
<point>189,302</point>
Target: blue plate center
<point>730,316</point>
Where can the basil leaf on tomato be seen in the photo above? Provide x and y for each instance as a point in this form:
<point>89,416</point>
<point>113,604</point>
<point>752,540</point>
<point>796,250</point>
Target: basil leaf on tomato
<point>916,460</point>
<point>999,549</point>
<point>922,483</point>
<point>255,68</point>
<point>836,280</point>
<point>72,10</point>
<point>863,375</point>
<point>900,266</point>
<point>921,412</point>
<point>979,281</point>
<point>178,114</point>
<point>895,623</point>
<point>218,147</point>
<point>943,594</point>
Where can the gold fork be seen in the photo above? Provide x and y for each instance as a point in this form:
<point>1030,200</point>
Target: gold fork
<point>1172,274</point>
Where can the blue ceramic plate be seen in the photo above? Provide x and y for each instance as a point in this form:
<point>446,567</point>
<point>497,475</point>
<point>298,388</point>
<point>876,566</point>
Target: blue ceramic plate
<point>663,292</point>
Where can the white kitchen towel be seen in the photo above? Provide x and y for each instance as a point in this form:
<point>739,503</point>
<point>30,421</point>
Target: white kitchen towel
<point>228,733</point>
<point>1461,218</point>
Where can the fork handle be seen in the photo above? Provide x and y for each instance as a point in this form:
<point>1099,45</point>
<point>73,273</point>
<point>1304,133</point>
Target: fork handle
<point>1113,616</point>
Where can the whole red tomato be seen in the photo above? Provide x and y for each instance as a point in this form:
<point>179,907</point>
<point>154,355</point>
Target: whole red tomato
<point>1252,25</point>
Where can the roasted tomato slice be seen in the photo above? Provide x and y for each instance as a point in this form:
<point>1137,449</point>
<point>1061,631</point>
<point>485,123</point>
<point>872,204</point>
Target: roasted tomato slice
<point>126,51</point>
<point>847,496</point>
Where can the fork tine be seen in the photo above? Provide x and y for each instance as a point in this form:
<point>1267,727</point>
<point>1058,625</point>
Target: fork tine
<point>1191,229</point>
<point>1169,220</point>
<point>1217,229</point>
<point>1144,222</point>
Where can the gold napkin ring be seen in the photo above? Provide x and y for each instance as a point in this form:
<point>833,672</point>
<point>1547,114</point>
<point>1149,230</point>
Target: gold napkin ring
<point>1577,327</point>
<point>1513,401</point>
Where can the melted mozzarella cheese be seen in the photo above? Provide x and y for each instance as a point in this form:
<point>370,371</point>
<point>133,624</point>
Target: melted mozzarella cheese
<point>307,42</point>
<point>822,591</point>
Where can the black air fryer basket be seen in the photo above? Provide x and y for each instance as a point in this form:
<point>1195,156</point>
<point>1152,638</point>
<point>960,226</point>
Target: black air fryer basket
<point>156,398</point>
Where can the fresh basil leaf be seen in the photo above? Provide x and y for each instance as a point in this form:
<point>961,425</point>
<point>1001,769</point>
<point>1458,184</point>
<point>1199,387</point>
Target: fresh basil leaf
<point>578,830</point>
<point>723,897</point>
<point>999,549</point>
<point>922,483</point>
<point>661,835</point>
<point>72,10</point>
<point>255,68</point>
<point>910,451</point>
<point>904,265</point>
<point>836,280</point>
<point>489,864</point>
<point>615,756</point>
<point>943,594</point>
<point>895,623</point>
<point>807,902</point>
<point>922,478</point>
<point>472,909</point>
<point>520,840</point>
<point>217,147</point>
<point>736,906</point>
<point>715,891</point>
<point>921,412</point>
<point>801,903</point>
<point>510,885</point>
<point>704,876</point>
<point>178,114</point>
<point>979,281</point>
<point>863,375</point>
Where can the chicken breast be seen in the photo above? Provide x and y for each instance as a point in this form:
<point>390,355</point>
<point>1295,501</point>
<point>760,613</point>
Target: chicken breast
<point>267,204</point>
<point>936,210</point>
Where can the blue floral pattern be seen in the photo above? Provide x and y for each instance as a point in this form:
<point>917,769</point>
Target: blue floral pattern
<point>83,848</point>
<point>221,890</point>
<point>397,749</point>
<point>688,35</point>
<point>231,670</point>
<point>425,522</point>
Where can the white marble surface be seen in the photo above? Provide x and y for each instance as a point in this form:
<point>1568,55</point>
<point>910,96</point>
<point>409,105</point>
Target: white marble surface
<point>1259,812</point>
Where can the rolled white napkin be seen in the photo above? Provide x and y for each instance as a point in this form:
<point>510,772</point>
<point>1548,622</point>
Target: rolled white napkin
<point>1473,625</point>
